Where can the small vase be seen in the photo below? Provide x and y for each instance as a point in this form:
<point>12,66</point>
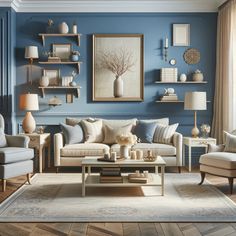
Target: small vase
<point>74,29</point>
<point>74,57</point>
<point>44,81</point>
<point>118,87</point>
<point>198,76</point>
<point>63,28</point>
<point>124,151</point>
<point>183,77</point>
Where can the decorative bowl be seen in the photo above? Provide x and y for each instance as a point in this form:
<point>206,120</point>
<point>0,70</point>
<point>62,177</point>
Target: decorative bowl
<point>150,158</point>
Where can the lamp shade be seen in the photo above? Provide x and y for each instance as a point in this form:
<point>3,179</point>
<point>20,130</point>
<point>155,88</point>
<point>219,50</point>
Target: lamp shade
<point>31,52</point>
<point>195,101</point>
<point>29,102</point>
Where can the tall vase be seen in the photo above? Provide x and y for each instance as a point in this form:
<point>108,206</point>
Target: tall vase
<point>124,151</point>
<point>118,87</point>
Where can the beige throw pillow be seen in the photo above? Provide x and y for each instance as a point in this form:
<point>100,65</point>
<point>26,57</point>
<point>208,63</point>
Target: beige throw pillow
<point>164,133</point>
<point>111,133</point>
<point>230,142</point>
<point>93,131</point>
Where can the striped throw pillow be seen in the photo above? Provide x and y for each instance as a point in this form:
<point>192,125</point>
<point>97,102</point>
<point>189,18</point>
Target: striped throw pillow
<point>230,142</point>
<point>164,134</point>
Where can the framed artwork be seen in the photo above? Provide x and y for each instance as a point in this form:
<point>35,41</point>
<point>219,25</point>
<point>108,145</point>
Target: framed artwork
<point>53,75</point>
<point>63,51</point>
<point>118,67</point>
<point>181,35</point>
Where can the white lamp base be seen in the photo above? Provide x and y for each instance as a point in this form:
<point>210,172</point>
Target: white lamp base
<point>29,124</point>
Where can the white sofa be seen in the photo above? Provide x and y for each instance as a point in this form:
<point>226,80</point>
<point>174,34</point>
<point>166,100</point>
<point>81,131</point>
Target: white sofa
<point>72,154</point>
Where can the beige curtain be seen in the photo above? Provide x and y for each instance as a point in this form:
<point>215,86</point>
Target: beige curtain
<point>224,116</point>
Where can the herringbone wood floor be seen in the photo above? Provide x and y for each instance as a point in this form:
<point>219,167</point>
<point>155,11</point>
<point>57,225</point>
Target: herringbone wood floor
<point>126,229</point>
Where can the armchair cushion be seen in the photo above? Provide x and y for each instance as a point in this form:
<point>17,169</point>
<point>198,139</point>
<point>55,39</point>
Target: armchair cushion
<point>73,134</point>
<point>215,148</point>
<point>3,141</point>
<point>17,141</point>
<point>230,142</point>
<point>15,154</point>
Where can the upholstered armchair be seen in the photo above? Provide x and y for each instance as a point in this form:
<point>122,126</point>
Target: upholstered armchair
<point>220,160</point>
<point>15,156</point>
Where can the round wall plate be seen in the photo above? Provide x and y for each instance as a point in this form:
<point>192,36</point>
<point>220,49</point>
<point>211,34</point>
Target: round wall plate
<point>192,56</point>
<point>172,61</point>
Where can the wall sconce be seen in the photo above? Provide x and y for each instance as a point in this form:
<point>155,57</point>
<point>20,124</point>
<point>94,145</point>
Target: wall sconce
<point>166,46</point>
<point>55,101</point>
<point>31,53</point>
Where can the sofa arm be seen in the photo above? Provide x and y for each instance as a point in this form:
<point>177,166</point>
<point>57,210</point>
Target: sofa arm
<point>17,141</point>
<point>58,144</point>
<point>178,143</point>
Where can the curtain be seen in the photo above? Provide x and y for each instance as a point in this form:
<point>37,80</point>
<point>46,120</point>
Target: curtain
<point>224,114</point>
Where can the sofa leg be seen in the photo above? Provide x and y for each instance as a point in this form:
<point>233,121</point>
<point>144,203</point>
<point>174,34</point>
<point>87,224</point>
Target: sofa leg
<point>179,169</point>
<point>231,185</point>
<point>203,174</point>
<point>4,183</point>
<point>28,178</point>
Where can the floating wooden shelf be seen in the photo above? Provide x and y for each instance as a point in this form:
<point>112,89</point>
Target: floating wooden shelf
<point>77,88</point>
<point>179,82</point>
<point>63,63</point>
<point>43,36</point>
<point>158,101</point>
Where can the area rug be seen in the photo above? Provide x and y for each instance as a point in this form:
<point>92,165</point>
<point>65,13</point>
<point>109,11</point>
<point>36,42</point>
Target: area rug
<point>57,198</point>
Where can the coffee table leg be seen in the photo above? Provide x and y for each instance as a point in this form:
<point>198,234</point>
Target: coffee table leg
<point>83,181</point>
<point>89,170</point>
<point>162,179</point>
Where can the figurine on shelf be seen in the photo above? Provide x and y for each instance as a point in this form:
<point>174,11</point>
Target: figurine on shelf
<point>75,55</point>
<point>74,28</point>
<point>49,29</point>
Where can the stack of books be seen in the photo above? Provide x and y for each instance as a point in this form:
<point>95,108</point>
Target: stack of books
<point>169,74</point>
<point>134,178</point>
<point>111,175</point>
<point>169,97</point>
<point>54,59</point>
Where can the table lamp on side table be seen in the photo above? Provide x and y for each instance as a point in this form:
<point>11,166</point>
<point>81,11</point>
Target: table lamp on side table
<point>195,101</point>
<point>29,102</point>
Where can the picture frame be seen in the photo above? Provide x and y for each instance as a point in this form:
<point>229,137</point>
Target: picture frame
<point>124,80</point>
<point>181,35</point>
<point>53,75</point>
<point>63,51</point>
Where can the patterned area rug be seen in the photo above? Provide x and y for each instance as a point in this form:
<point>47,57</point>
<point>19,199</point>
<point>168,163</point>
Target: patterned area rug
<point>57,198</point>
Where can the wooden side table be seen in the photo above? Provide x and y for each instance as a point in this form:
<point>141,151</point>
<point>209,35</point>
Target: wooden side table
<point>39,142</point>
<point>195,142</point>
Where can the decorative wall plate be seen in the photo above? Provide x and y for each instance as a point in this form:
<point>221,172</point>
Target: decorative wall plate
<point>172,62</point>
<point>192,56</point>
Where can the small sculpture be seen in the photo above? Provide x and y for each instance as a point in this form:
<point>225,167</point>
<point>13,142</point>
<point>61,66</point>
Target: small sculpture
<point>169,91</point>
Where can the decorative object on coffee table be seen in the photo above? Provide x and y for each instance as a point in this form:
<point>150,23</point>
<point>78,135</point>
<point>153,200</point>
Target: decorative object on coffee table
<point>125,141</point>
<point>195,101</point>
<point>150,157</point>
<point>118,67</point>
<point>192,56</point>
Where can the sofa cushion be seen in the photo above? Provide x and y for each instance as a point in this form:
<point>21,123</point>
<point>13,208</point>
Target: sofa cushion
<point>223,160</point>
<point>164,134</point>
<point>84,149</point>
<point>156,148</point>
<point>3,140</point>
<point>163,121</point>
<point>145,131</point>
<point>15,154</point>
<point>73,134</point>
<point>111,133</point>
<point>119,123</point>
<point>230,142</point>
<point>74,121</point>
<point>93,131</point>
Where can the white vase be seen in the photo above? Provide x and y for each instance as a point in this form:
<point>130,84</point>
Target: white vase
<point>63,28</point>
<point>44,81</point>
<point>74,29</point>
<point>118,87</point>
<point>183,77</point>
<point>124,151</point>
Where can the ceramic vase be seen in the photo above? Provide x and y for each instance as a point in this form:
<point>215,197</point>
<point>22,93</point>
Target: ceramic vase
<point>118,87</point>
<point>74,57</point>
<point>198,76</point>
<point>74,29</point>
<point>44,81</point>
<point>63,28</point>
<point>183,77</point>
<point>124,151</point>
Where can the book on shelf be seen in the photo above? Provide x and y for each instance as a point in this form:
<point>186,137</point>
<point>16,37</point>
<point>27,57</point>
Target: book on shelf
<point>54,59</point>
<point>111,179</point>
<point>169,98</point>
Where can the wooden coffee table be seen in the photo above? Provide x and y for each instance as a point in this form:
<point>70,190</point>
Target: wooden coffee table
<point>92,180</point>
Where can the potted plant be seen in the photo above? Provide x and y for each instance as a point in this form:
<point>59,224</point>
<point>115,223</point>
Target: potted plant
<point>75,55</point>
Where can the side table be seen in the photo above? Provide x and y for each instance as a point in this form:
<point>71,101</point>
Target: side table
<point>195,142</point>
<point>39,142</point>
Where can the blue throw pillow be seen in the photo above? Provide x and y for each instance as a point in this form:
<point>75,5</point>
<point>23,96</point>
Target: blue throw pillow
<point>73,134</point>
<point>145,131</point>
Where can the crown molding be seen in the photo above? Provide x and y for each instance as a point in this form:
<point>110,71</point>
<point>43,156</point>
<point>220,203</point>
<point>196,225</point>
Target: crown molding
<point>115,6</point>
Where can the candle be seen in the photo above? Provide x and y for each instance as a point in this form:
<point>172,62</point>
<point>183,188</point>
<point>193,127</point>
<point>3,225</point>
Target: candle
<point>133,155</point>
<point>166,43</point>
<point>139,154</point>
<point>145,172</point>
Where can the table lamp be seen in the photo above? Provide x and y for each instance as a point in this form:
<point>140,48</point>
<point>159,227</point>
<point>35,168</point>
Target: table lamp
<point>29,102</point>
<point>31,53</point>
<point>195,101</point>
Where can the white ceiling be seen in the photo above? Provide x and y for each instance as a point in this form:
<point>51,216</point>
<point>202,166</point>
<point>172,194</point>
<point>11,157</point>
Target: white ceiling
<point>113,5</point>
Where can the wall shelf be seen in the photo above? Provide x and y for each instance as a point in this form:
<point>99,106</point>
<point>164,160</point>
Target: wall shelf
<point>43,37</point>
<point>77,89</point>
<point>158,101</point>
<point>62,63</point>
<point>179,82</point>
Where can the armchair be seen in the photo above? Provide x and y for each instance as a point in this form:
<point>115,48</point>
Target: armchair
<point>15,156</point>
